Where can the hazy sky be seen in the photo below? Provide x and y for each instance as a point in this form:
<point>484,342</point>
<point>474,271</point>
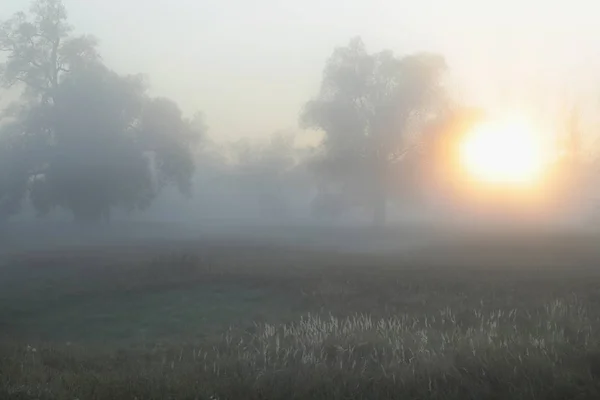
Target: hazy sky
<point>250,65</point>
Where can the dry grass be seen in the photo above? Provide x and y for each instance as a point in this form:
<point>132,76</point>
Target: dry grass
<point>318,325</point>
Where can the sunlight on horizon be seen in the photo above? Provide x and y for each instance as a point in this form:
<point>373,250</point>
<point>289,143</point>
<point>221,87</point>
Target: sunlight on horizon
<point>504,151</point>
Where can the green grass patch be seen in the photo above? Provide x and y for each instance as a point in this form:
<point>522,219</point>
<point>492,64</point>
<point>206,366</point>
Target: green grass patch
<point>256,323</point>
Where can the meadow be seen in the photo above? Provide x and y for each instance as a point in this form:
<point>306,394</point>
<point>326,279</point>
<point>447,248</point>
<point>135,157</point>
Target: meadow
<point>507,316</point>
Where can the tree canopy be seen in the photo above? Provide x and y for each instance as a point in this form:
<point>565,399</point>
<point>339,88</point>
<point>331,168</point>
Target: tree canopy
<point>368,106</point>
<point>83,137</point>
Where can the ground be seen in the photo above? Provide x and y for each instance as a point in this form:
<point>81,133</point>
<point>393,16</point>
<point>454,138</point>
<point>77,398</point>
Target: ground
<point>465,316</point>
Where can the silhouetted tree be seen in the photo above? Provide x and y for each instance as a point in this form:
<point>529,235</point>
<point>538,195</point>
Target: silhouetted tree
<point>267,173</point>
<point>368,105</point>
<point>83,138</point>
<point>40,49</point>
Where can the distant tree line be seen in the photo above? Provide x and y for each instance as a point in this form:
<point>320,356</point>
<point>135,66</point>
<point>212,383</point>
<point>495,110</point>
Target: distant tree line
<point>88,140</point>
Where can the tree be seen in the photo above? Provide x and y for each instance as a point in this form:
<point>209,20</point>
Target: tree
<point>93,161</point>
<point>40,50</point>
<point>267,173</point>
<point>88,139</point>
<point>368,106</point>
<point>168,137</point>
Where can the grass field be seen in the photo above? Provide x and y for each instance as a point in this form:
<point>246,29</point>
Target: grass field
<point>514,316</point>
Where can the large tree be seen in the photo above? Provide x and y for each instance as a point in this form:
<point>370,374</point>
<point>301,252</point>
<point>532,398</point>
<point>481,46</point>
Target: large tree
<point>83,138</point>
<point>369,106</point>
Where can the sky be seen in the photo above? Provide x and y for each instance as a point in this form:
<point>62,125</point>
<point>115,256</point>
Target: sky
<point>249,66</point>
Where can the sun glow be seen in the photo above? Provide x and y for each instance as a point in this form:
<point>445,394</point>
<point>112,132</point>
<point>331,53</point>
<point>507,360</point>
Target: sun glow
<point>507,152</point>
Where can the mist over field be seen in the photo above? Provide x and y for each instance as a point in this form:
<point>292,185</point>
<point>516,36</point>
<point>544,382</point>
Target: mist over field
<point>279,200</point>
<point>265,139</point>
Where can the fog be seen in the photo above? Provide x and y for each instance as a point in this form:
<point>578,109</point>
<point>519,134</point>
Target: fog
<point>272,199</point>
<point>262,61</point>
<point>205,117</point>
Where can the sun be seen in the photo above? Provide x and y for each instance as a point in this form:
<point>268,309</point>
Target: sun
<point>503,152</point>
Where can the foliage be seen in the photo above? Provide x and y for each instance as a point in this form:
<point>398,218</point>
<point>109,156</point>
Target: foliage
<point>83,137</point>
<point>368,106</point>
<point>40,49</point>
